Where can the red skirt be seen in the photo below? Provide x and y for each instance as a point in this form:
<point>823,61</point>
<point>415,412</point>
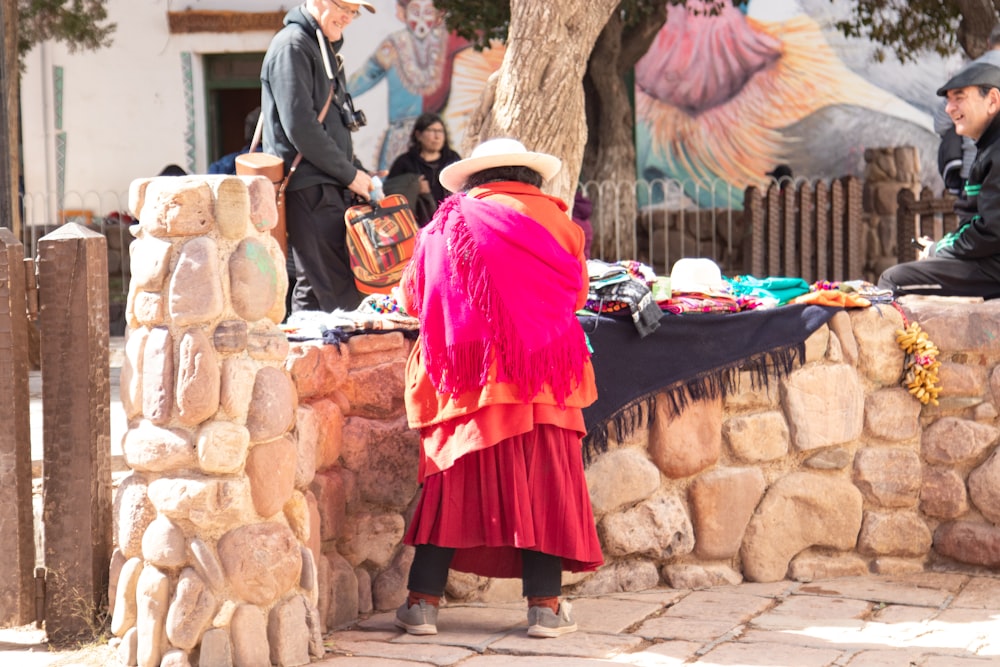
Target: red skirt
<point>525,492</point>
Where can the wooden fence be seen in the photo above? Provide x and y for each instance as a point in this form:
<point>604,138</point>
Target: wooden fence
<point>930,215</point>
<point>69,592</point>
<point>814,231</point>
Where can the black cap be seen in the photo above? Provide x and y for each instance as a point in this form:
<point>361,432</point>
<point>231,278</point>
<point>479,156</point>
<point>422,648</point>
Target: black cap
<point>974,74</point>
<point>779,172</point>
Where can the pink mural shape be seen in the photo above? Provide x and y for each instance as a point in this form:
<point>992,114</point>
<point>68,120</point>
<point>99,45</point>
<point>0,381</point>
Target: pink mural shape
<point>698,61</point>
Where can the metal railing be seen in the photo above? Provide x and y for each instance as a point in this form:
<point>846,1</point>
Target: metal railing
<point>671,220</point>
<point>100,211</point>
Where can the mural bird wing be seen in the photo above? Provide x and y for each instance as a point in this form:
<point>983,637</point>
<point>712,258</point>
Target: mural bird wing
<point>720,100</point>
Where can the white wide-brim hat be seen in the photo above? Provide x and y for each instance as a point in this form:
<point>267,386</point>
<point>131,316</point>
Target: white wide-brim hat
<point>501,152</point>
<point>367,5</point>
<point>696,274</point>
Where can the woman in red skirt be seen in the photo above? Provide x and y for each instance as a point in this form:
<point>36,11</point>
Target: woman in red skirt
<point>496,385</point>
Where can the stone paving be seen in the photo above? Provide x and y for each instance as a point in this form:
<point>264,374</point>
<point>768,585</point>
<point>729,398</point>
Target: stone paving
<point>934,619</point>
<point>924,619</point>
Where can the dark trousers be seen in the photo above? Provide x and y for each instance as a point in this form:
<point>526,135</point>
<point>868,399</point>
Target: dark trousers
<point>317,237</point>
<point>941,276</point>
<point>541,574</point>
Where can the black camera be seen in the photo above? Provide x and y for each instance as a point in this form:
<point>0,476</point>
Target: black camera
<point>353,119</point>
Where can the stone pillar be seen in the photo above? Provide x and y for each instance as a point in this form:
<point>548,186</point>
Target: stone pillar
<point>17,548</point>
<point>76,397</point>
<point>887,172</point>
<point>212,529</point>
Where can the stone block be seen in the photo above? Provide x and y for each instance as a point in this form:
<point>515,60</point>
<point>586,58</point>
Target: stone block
<point>688,443</point>
<point>620,478</point>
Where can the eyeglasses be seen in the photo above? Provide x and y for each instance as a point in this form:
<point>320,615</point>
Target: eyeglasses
<point>434,130</point>
<point>345,10</point>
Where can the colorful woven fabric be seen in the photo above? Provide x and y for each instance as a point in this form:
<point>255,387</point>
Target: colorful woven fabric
<point>692,302</point>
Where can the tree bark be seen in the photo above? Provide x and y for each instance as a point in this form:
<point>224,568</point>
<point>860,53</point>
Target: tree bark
<point>10,76</point>
<point>610,155</point>
<point>614,209</point>
<point>538,92</point>
<point>978,19</point>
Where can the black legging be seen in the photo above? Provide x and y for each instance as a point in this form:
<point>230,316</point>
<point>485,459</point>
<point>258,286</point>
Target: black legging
<point>541,574</point>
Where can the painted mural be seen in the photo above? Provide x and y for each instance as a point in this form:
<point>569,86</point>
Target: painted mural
<point>426,69</point>
<point>721,100</point>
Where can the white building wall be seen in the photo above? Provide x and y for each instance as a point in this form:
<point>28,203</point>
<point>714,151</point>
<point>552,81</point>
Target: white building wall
<point>124,110</point>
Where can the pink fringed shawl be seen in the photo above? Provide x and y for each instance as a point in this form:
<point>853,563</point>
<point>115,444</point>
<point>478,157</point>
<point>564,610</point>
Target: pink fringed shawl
<point>491,284</point>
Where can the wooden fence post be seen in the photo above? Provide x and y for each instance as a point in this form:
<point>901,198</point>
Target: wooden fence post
<point>773,237</point>
<point>807,226</point>
<point>76,394</point>
<point>753,207</point>
<point>17,546</point>
<point>854,229</point>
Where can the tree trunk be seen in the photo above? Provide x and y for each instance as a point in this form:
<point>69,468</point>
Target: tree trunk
<point>537,94</point>
<point>614,209</point>
<point>978,19</point>
<point>610,157</point>
<point>10,76</point>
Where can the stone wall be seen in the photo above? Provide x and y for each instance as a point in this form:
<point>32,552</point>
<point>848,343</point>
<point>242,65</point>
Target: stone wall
<point>834,470</point>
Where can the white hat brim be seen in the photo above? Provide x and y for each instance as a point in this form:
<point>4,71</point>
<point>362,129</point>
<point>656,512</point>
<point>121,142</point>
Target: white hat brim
<point>367,5</point>
<point>454,176</point>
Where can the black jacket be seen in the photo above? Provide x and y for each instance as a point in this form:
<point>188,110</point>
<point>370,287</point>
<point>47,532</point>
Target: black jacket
<point>294,88</point>
<point>410,162</point>
<point>978,235</point>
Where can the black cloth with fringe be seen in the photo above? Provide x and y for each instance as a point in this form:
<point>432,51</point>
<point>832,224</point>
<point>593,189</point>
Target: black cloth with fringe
<point>690,357</point>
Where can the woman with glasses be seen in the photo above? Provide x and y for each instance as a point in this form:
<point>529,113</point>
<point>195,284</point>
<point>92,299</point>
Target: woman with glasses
<point>415,172</point>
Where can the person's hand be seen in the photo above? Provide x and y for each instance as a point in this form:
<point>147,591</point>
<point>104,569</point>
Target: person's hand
<point>925,243</point>
<point>425,187</point>
<point>361,185</point>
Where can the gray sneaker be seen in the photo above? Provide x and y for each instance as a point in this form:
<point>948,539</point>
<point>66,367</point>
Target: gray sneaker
<point>420,619</point>
<point>542,622</point>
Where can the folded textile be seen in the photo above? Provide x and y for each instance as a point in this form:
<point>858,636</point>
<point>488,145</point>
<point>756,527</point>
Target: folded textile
<point>598,269</point>
<point>371,316</point>
<point>867,290</point>
<point>777,288</point>
<point>833,297</point>
<point>630,294</point>
<point>692,302</point>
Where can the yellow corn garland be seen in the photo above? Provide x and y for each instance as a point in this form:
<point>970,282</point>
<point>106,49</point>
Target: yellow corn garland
<point>920,374</point>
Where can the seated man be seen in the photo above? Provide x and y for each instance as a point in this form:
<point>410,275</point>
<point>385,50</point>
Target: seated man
<point>965,262</point>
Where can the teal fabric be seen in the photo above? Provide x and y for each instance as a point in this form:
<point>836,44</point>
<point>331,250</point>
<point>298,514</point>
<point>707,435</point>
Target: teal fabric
<point>782,289</point>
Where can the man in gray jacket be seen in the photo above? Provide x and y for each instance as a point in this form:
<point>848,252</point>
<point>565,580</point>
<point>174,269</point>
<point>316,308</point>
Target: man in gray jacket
<point>303,78</point>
